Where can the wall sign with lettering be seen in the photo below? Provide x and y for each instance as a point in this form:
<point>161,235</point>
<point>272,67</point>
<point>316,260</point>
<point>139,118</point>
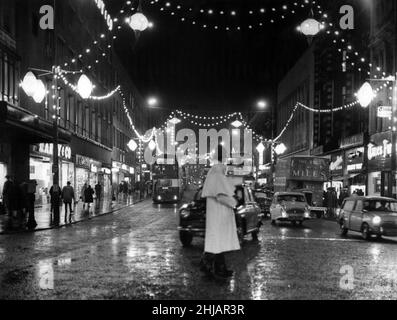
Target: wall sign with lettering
<point>64,151</point>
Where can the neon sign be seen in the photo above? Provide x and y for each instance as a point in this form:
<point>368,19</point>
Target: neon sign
<point>379,151</point>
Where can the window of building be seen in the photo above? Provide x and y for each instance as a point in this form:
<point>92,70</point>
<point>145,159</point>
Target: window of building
<point>9,73</point>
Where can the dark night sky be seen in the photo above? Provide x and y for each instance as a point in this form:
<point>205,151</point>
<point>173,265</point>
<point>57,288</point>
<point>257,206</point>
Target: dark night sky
<point>189,67</point>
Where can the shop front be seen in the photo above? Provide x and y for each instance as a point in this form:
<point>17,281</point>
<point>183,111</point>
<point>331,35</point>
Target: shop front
<point>87,171</point>
<point>355,178</point>
<point>122,174</point>
<point>380,178</point>
<point>105,178</point>
<point>336,170</point>
<point>40,164</point>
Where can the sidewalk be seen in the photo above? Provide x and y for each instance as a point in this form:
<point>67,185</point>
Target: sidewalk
<point>44,217</point>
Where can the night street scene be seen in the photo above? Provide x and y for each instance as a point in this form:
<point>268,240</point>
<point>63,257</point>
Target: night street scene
<point>205,150</point>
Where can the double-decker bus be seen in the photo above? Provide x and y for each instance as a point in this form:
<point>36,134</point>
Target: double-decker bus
<point>167,181</point>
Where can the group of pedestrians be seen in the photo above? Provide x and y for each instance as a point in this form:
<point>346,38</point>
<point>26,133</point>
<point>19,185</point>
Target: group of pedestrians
<point>18,201</point>
<point>67,196</point>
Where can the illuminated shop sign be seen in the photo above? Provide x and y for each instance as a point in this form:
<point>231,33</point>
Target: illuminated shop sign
<point>94,168</point>
<point>355,159</point>
<point>83,162</point>
<point>354,167</point>
<point>383,150</point>
<point>64,152</point>
<point>337,164</point>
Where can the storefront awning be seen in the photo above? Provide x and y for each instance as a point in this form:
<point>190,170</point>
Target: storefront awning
<point>30,127</point>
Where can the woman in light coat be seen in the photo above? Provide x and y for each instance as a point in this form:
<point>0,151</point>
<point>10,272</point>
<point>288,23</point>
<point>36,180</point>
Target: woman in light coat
<point>221,230</point>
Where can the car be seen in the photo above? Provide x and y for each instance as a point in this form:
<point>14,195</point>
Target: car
<point>264,199</point>
<point>192,217</point>
<point>371,216</point>
<point>289,207</point>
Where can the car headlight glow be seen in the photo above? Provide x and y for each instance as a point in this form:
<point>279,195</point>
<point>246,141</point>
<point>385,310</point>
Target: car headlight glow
<point>175,197</point>
<point>284,213</point>
<point>159,198</point>
<point>376,220</point>
<point>307,214</point>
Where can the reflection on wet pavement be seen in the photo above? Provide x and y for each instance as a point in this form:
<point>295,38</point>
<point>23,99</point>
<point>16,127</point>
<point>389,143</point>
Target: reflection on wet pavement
<point>45,219</point>
<point>136,254</point>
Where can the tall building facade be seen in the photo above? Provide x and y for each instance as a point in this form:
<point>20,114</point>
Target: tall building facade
<point>93,134</point>
<point>383,52</point>
<point>332,64</point>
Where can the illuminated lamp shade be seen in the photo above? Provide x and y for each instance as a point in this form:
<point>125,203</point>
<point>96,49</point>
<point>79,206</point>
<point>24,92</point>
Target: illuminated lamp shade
<point>29,84</point>
<point>40,92</point>
<point>84,87</point>
<point>310,27</point>
<point>152,145</point>
<point>138,22</point>
<point>365,95</point>
<point>132,145</point>
<point>280,149</point>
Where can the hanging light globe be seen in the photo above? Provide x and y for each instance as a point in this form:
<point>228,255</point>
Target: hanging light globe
<point>29,84</point>
<point>138,22</point>
<point>365,95</point>
<point>132,145</point>
<point>84,87</point>
<point>310,27</point>
<point>40,92</point>
<point>280,149</point>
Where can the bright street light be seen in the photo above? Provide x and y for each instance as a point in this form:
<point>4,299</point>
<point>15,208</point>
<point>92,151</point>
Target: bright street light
<point>365,95</point>
<point>84,87</point>
<point>261,104</point>
<point>29,84</point>
<point>310,27</point>
<point>138,22</point>
<point>132,145</point>
<point>152,102</point>
<point>280,149</point>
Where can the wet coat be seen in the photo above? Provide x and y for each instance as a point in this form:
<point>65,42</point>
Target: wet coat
<point>221,231</point>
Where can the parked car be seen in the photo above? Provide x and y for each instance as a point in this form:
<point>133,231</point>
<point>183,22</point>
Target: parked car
<point>289,206</point>
<point>264,199</point>
<point>192,217</point>
<point>372,216</point>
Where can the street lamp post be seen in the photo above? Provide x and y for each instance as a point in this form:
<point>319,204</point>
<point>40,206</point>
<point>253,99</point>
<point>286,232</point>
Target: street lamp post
<point>35,88</point>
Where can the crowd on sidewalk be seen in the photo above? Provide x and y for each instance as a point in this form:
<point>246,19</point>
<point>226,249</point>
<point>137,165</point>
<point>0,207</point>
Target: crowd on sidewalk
<point>18,204</point>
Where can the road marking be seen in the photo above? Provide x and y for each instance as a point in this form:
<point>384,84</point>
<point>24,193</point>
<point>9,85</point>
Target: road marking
<point>318,239</point>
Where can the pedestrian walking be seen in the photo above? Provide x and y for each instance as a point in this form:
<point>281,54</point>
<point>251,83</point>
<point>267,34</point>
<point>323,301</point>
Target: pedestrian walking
<point>89,196</point>
<point>82,194</point>
<point>56,195</point>
<point>221,231</point>
<point>98,191</point>
<point>31,198</point>
<point>8,194</point>
<point>68,198</point>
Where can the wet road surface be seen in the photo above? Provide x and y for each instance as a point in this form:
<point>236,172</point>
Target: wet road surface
<point>135,253</point>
